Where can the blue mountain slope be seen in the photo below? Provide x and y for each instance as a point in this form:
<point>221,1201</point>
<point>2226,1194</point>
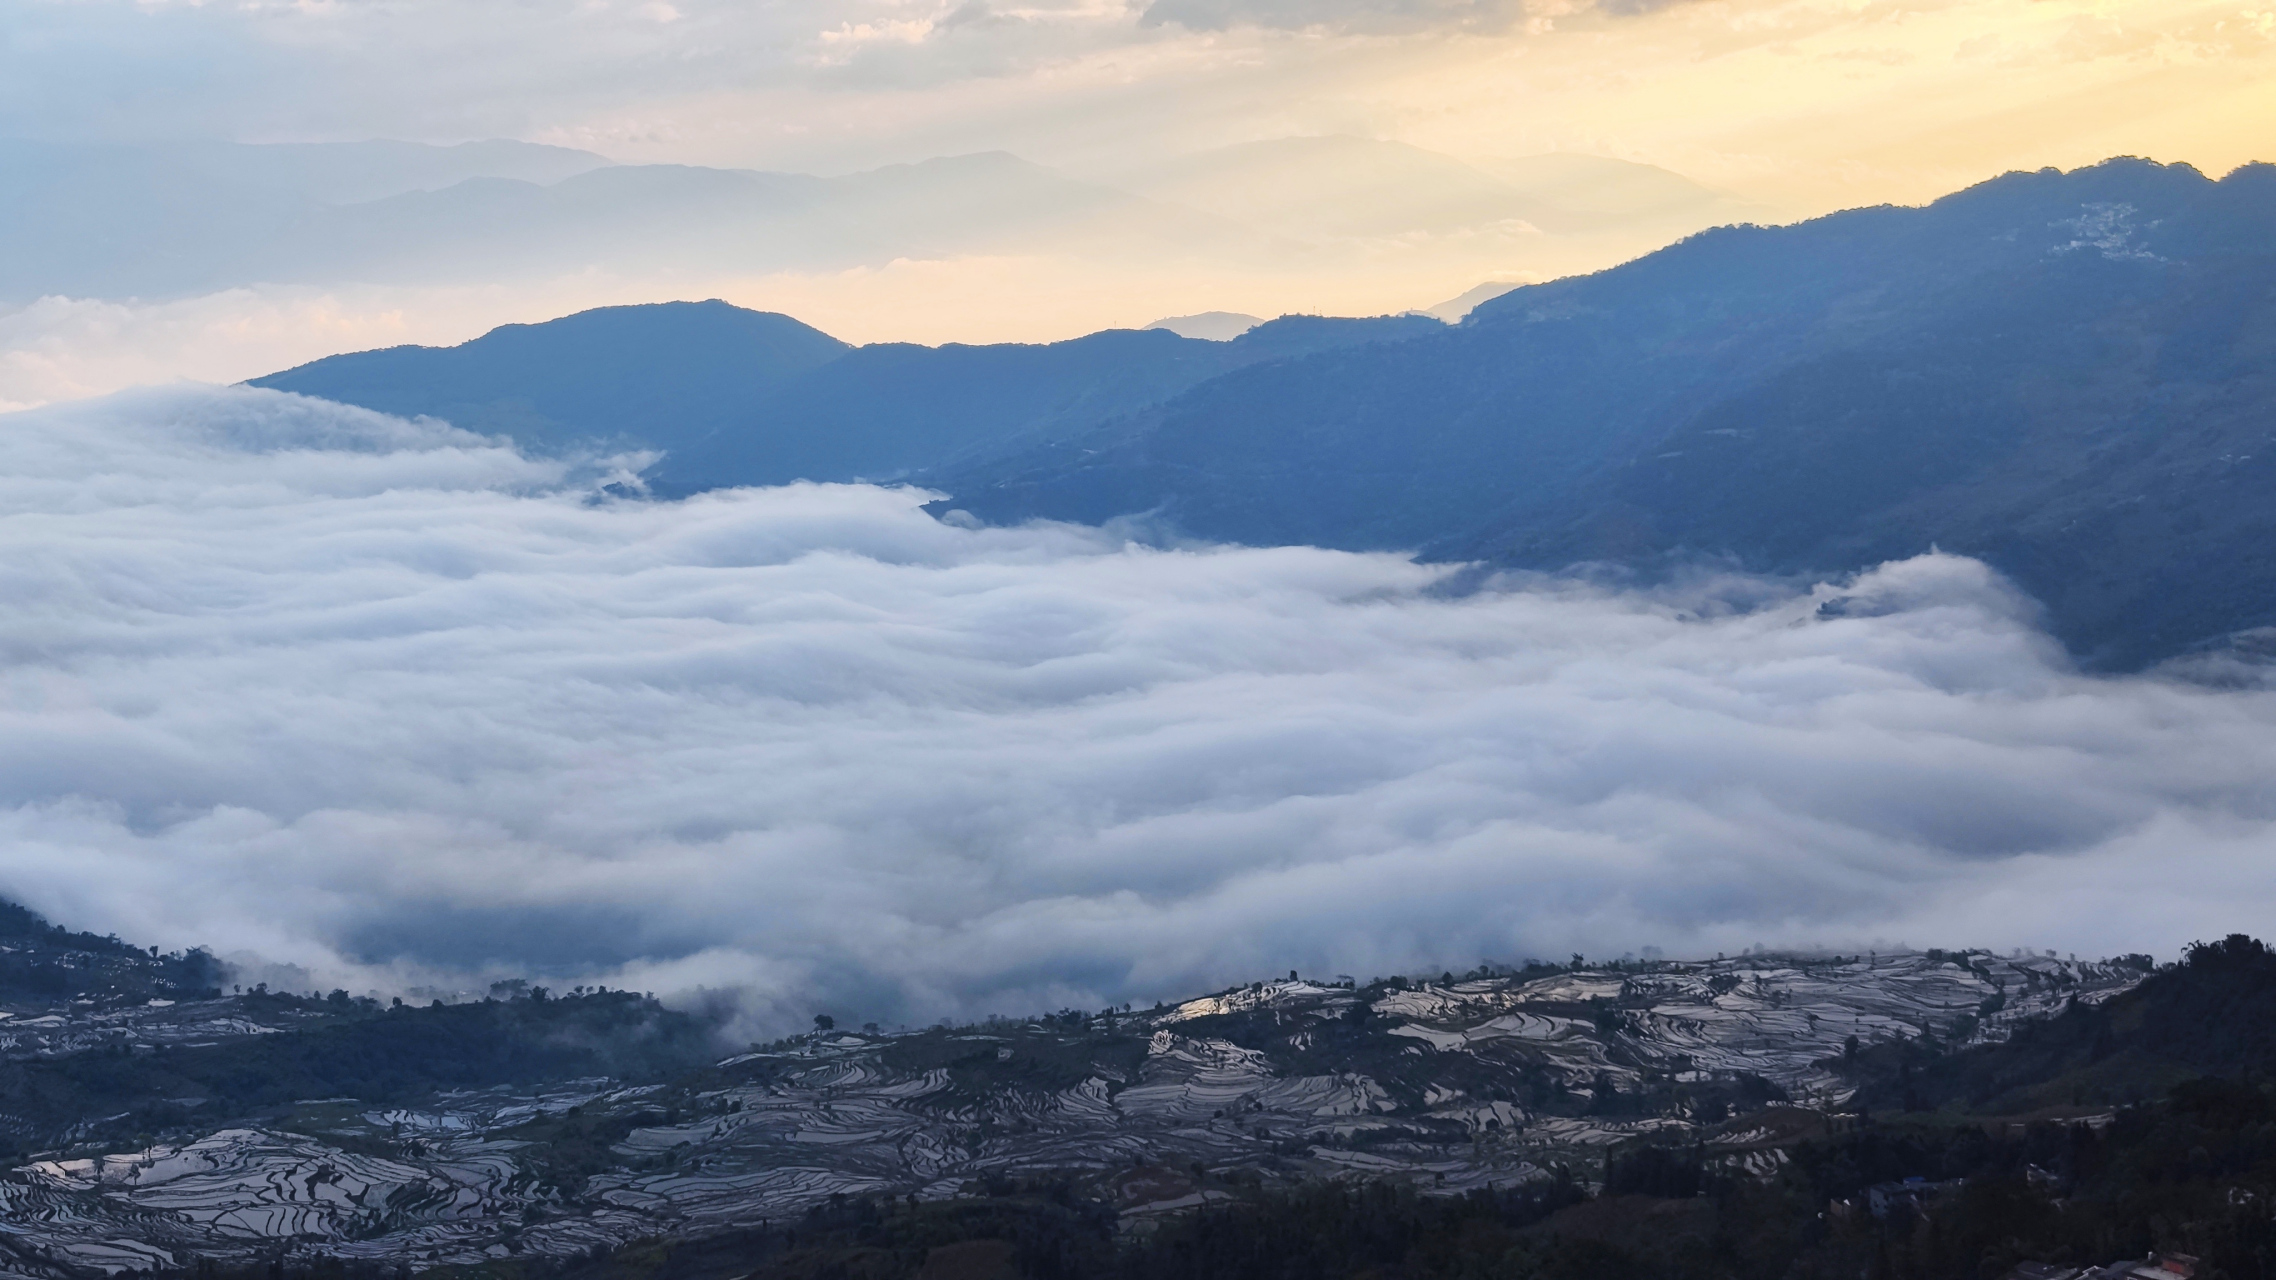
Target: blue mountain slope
<point>2072,375</point>
<point>654,375</point>
<point>890,410</point>
<point>739,397</point>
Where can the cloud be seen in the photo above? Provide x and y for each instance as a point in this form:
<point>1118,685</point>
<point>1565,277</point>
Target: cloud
<point>1383,17</point>
<point>805,82</point>
<point>397,704</point>
<point>1366,16</point>
<point>119,69</point>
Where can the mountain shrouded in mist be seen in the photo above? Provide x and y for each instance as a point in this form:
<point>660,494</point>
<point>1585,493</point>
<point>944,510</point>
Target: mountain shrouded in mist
<point>2060,373</point>
<point>162,221</point>
<point>1335,186</point>
<point>220,261</point>
<point>152,219</point>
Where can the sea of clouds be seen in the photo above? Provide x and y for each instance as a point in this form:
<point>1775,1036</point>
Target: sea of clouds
<point>402,706</point>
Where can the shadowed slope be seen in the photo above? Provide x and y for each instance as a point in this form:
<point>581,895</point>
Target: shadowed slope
<point>2065,374</point>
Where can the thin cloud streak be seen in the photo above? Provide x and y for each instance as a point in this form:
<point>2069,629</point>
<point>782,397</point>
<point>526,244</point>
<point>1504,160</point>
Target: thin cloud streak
<point>1802,104</point>
<point>398,704</point>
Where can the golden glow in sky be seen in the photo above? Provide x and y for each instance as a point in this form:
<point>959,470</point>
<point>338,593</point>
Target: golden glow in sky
<point>1806,105</point>
<point>1777,109</point>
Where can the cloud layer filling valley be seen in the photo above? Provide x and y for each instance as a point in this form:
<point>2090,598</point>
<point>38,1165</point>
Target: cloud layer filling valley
<point>396,703</point>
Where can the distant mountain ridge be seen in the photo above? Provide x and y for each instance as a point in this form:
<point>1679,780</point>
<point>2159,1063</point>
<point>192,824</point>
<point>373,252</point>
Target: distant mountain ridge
<point>155,222</point>
<point>146,220</point>
<point>737,397</point>
<point>1216,326</point>
<point>2065,374</point>
<point>1338,186</point>
<point>1345,186</point>
<point>629,374</point>
<point>159,222</point>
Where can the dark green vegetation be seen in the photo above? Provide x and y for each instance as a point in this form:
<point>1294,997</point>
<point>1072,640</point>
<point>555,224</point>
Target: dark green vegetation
<point>1044,1057</point>
<point>2192,1172</point>
<point>743,397</point>
<point>45,962</point>
<point>2213,1013</point>
<point>331,1045</point>
<point>2066,374</point>
<point>351,1048</point>
<point>2100,1133</point>
<point>1046,1230</point>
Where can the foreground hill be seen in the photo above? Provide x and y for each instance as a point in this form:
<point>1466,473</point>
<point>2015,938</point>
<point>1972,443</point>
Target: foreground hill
<point>2212,1014</point>
<point>1912,1115</point>
<point>552,1127</point>
<point>2065,374</point>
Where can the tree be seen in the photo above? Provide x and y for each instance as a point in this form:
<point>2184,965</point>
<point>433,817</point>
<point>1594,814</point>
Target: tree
<point>824,1022</point>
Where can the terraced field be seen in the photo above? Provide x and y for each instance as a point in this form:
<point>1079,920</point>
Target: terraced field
<point>143,1026</point>
<point>1454,1083</point>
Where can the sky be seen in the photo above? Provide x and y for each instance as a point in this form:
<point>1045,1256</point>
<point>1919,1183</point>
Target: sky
<point>1805,104</point>
<point>1789,107</point>
<point>404,708</point>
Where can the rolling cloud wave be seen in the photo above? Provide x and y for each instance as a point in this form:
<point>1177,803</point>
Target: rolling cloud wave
<point>398,704</point>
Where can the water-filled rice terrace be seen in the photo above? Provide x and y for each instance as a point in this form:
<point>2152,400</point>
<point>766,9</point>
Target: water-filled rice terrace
<point>1452,1082</point>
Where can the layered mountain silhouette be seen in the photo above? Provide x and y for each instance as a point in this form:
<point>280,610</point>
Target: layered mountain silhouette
<point>740,397</point>
<point>663,376</point>
<point>2068,375</point>
<point>144,220</point>
<point>2065,374</point>
<point>1335,186</point>
<point>154,221</point>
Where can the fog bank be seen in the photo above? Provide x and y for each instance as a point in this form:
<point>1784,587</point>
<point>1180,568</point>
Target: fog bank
<point>397,704</point>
